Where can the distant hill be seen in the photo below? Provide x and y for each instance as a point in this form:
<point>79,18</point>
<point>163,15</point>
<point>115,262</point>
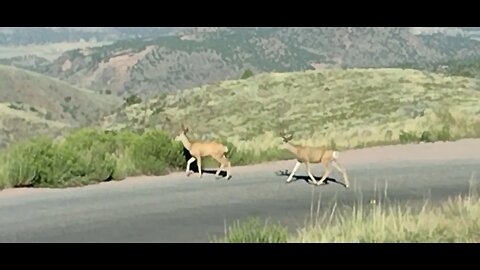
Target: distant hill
<point>340,108</point>
<point>32,104</point>
<point>30,62</point>
<point>43,35</point>
<point>196,56</point>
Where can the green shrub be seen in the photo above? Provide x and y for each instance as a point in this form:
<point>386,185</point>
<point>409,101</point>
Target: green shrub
<point>39,162</point>
<point>426,137</point>
<point>154,153</point>
<point>444,134</point>
<point>407,137</point>
<point>246,74</point>
<point>96,149</point>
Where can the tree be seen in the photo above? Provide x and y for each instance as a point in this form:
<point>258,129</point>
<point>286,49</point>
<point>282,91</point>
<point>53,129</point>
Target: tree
<point>246,74</point>
<point>133,99</point>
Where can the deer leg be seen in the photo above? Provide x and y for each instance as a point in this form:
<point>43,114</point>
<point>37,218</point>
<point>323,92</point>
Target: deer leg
<point>199,162</point>
<point>341,170</point>
<point>220,160</point>
<point>325,174</point>
<point>307,164</point>
<point>190,161</point>
<point>229,167</point>
<point>295,168</point>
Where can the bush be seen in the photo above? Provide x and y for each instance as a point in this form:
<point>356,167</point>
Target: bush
<point>155,152</point>
<point>88,156</point>
<point>131,100</point>
<point>444,134</point>
<point>246,74</point>
<point>96,150</point>
<point>426,137</point>
<point>407,137</point>
<point>39,162</point>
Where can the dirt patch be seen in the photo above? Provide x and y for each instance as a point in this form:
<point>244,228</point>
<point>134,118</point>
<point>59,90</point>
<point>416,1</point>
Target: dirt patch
<point>120,66</point>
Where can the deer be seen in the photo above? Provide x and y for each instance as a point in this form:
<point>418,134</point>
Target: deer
<point>199,149</point>
<point>312,154</point>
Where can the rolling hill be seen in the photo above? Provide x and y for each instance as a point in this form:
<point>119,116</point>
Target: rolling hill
<point>205,55</point>
<point>342,108</point>
<point>33,104</point>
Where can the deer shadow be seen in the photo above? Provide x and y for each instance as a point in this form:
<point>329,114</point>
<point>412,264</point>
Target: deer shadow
<point>306,178</point>
<point>194,165</point>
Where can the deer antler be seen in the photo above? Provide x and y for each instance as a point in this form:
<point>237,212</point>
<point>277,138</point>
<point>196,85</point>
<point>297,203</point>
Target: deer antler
<point>284,137</point>
<point>184,129</point>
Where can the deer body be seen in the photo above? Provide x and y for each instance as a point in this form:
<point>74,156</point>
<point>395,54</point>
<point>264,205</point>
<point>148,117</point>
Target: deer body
<point>199,149</point>
<point>313,154</point>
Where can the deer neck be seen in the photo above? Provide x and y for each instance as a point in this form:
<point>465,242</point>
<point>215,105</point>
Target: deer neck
<point>290,147</point>
<point>186,142</point>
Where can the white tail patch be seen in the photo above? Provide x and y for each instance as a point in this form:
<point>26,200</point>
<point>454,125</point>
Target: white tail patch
<point>226,149</point>
<point>335,154</point>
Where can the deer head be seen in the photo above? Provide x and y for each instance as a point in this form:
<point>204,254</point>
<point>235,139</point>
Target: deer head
<point>285,138</point>
<point>182,134</point>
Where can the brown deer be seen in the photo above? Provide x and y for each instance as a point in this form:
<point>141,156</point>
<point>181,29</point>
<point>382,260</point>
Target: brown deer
<point>199,149</point>
<point>312,154</point>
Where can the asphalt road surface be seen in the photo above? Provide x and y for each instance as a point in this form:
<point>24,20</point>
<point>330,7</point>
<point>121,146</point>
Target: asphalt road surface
<point>176,208</point>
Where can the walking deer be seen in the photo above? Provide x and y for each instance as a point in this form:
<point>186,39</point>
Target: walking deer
<point>199,149</point>
<point>312,154</point>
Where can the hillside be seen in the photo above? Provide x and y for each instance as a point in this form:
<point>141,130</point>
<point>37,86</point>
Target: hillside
<point>32,104</point>
<point>51,42</point>
<point>343,108</point>
<point>42,35</point>
<point>205,55</point>
<point>29,62</point>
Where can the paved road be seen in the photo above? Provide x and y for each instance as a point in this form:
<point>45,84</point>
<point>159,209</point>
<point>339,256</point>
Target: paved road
<point>175,208</point>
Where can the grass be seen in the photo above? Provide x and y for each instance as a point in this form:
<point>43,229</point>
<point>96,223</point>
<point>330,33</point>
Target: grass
<point>452,221</point>
<point>456,220</point>
<point>350,108</point>
<point>253,231</point>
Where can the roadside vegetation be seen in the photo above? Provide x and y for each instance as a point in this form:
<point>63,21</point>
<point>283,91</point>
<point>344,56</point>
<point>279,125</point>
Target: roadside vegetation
<point>456,220</point>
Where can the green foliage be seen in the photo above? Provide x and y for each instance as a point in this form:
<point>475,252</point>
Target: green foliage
<point>426,136</point>
<point>154,153</point>
<point>246,74</point>
<point>131,100</point>
<point>444,134</point>
<point>88,156</point>
<point>407,137</point>
<point>96,149</point>
<point>253,231</point>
